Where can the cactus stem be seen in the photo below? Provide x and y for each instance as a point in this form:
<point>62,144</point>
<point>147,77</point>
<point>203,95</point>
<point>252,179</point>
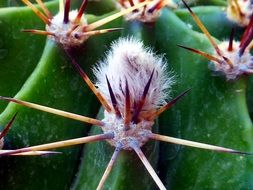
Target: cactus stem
<point>195,144</point>
<point>113,99</point>
<point>85,77</point>
<point>66,11</point>
<point>109,168</point>
<point>37,12</point>
<point>231,39</point>
<point>55,111</point>
<point>143,99</point>
<point>168,105</point>
<point>60,144</point>
<point>113,17</point>
<point>127,110</point>
<point>204,54</point>
<point>81,11</point>
<point>45,9</point>
<point>40,32</point>
<point>8,126</point>
<point>148,166</point>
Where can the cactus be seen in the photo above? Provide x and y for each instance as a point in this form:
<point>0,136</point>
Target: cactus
<point>144,56</point>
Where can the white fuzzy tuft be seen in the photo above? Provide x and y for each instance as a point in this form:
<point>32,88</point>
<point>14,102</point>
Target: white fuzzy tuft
<point>61,30</point>
<point>241,64</point>
<point>130,60</point>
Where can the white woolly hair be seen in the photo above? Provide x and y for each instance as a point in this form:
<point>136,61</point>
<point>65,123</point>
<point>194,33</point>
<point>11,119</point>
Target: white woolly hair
<point>129,60</point>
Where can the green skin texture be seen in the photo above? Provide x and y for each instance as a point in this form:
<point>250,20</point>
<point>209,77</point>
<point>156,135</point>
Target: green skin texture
<point>128,171</point>
<point>101,7</point>
<point>214,112</point>
<point>19,51</point>
<point>56,84</point>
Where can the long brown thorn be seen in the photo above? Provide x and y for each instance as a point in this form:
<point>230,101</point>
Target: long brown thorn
<point>39,32</point>
<point>96,32</point>
<point>159,5</point>
<point>60,144</point>
<point>108,168</point>
<point>32,153</point>
<point>169,104</point>
<point>81,11</point>
<point>100,97</point>
<point>113,99</point>
<point>231,40</point>
<point>246,32</point>
<point>195,144</point>
<point>204,54</point>
<point>127,110</point>
<point>247,39</point>
<point>66,11</point>
<point>55,111</point>
<point>37,12</point>
<point>45,9</point>
<point>204,30</point>
<point>7,127</point>
<point>110,18</point>
<point>148,166</point>
<point>143,99</point>
<point>131,3</point>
